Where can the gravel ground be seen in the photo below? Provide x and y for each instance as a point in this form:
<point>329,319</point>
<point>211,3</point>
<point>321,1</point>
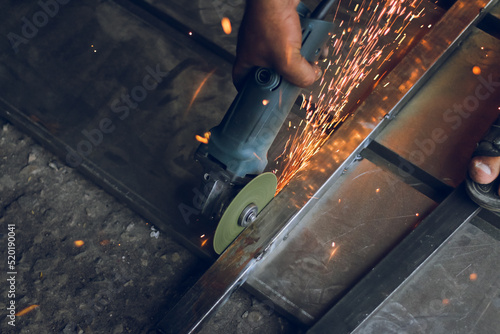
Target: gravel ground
<point>123,277</point>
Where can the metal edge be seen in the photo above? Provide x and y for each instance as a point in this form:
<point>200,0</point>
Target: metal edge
<point>490,24</point>
<point>489,223</point>
<point>285,211</point>
<point>97,175</point>
<point>157,18</point>
<point>413,176</point>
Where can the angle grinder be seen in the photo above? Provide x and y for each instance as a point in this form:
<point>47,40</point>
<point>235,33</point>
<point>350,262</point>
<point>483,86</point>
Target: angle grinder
<point>235,187</point>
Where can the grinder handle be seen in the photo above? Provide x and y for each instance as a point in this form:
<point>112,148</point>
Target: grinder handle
<point>241,141</point>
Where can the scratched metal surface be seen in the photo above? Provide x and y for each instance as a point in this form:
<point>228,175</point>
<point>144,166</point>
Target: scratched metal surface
<point>79,66</point>
<point>77,71</point>
<point>340,242</point>
<point>261,239</point>
<point>315,285</point>
<point>456,291</point>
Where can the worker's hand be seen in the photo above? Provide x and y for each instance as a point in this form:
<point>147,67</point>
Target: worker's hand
<point>271,36</point>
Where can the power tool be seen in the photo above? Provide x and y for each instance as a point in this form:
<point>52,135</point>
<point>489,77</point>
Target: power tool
<point>235,187</point>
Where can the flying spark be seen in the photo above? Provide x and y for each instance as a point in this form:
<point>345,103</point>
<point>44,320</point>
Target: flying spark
<point>373,29</point>
<point>226,25</point>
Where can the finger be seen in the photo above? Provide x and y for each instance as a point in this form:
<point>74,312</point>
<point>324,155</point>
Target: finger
<point>484,170</point>
<point>300,73</point>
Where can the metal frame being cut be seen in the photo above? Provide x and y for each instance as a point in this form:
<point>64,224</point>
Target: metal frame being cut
<point>278,219</point>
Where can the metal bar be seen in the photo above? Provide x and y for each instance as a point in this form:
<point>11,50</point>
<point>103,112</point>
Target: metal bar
<point>398,265</point>
<point>489,223</point>
<point>490,24</point>
<point>490,217</point>
<point>149,13</point>
<point>289,207</point>
<point>409,173</point>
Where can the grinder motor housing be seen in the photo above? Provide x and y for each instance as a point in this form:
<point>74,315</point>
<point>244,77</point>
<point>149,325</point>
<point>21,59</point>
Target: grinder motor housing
<point>238,146</point>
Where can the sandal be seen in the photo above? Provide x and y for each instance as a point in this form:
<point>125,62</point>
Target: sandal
<point>486,195</point>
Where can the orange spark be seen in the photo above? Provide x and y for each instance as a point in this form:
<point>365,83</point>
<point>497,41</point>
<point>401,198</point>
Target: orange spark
<point>476,70</point>
<point>201,139</point>
<point>79,243</point>
<point>26,310</point>
<point>332,253</point>
<point>226,25</point>
<point>257,156</point>
<point>204,139</point>
<point>355,55</point>
<point>198,90</point>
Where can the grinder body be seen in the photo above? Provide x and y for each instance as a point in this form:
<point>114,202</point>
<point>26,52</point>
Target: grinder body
<point>238,146</point>
<point>241,141</point>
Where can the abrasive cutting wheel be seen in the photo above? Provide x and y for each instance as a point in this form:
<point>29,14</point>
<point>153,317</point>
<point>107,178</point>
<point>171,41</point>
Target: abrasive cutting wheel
<point>244,209</point>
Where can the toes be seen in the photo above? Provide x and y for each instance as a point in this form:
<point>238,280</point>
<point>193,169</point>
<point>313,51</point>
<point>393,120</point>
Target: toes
<point>484,170</point>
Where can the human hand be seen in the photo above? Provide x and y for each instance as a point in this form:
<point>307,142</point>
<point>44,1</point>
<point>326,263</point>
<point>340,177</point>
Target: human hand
<point>271,36</point>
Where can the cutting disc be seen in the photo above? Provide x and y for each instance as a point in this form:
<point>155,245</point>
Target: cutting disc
<point>259,191</point>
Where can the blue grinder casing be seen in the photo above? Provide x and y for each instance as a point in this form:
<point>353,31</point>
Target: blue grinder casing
<point>241,141</point>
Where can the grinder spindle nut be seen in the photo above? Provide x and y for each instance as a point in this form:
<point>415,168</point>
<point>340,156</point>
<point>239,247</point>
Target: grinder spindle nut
<point>248,215</point>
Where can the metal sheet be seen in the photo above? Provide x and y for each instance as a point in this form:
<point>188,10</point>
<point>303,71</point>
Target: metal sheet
<point>350,228</point>
<point>289,207</point>
<point>203,17</point>
<point>439,128</point>
<point>362,299</point>
<point>127,95</point>
<point>456,291</point>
